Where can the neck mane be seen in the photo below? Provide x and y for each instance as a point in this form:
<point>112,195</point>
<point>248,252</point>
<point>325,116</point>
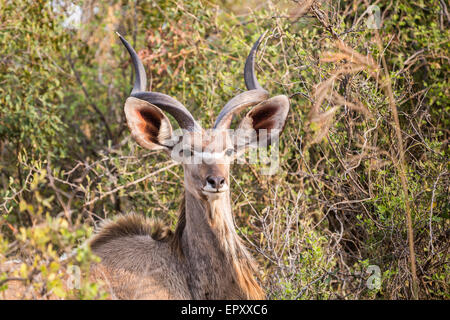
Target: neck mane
<point>219,265</point>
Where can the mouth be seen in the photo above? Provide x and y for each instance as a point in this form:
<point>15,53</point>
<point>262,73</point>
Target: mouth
<point>208,190</point>
<point>214,192</point>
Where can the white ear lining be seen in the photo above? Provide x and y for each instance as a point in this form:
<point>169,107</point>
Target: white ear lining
<point>165,131</point>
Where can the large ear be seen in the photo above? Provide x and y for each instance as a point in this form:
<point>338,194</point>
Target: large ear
<point>148,124</point>
<point>264,121</point>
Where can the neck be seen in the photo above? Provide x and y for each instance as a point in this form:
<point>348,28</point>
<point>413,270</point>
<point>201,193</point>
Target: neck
<point>219,265</point>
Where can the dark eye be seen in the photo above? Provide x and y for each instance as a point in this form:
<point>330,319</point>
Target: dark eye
<point>186,152</point>
<point>229,152</point>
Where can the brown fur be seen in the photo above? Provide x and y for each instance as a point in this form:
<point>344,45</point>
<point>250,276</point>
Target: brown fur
<point>175,241</point>
<point>130,225</point>
<point>241,264</point>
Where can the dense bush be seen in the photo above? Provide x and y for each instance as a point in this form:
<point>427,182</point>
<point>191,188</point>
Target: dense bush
<point>335,207</point>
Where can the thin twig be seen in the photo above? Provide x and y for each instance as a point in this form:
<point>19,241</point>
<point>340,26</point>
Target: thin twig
<point>129,184</point>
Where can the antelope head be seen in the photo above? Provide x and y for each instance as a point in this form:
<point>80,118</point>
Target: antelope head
<point>206,155</point>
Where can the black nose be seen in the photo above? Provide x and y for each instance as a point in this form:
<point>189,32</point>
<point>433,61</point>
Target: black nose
<point>216,182</point>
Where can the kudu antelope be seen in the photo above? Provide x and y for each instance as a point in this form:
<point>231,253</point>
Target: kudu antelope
<point>204,258</point>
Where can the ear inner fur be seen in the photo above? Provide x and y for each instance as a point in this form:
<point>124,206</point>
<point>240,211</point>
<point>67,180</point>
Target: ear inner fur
<point>269,114</point>
<point>148,124</point>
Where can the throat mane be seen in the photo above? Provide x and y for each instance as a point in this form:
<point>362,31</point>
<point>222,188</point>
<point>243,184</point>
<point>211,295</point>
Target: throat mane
<point>211,240</point>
